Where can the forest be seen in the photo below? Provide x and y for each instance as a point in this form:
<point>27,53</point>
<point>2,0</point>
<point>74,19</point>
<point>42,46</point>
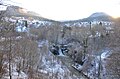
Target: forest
<point>46,49</point>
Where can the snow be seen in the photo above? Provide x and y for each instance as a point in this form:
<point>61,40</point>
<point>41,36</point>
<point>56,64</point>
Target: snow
<point>15,74</point>
<point>12,20</point>
<point>21,29</point>
<point>18,37</point>
<point>2,39</point>
<point>41,43</point>
<point>43,71</point>
<point>92,71</point>
<point>77,66</point>
<point>105,54</point>
<point>97,34</point>
<point>37,23</point>
<point>22,75</point>
<point>2,7</point>
<point>53,67</point>
<point>60,53</point>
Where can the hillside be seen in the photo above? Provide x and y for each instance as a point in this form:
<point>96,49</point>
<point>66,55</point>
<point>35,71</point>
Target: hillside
<point>21,12</point>
<point>98,16</point>
<point>44,49</point>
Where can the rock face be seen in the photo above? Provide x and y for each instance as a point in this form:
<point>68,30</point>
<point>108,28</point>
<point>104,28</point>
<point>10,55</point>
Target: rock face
<point>12,10</point>
<point>16,11</point>
<point>21,12</point>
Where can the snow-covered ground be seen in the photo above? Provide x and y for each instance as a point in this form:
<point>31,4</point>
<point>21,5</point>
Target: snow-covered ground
<point>52,65</point>
<point>21,29</point>
<point>104,55</point>
<point>14,73</point>
<point>60,53</point>
<point>93,68</point>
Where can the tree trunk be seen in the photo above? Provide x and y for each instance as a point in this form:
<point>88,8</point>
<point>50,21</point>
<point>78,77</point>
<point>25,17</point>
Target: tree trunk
<point>10,60</point>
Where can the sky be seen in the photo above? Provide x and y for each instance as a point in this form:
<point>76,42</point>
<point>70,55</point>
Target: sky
<point>70,9</point>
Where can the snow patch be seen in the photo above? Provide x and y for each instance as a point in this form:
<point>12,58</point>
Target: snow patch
<point>105,54</point>
<point>60,53</point>
<point>77,66</point>
<point>21,29</point>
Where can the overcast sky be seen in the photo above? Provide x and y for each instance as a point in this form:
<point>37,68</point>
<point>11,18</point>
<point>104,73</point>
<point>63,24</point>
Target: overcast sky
<point>71,9</point>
